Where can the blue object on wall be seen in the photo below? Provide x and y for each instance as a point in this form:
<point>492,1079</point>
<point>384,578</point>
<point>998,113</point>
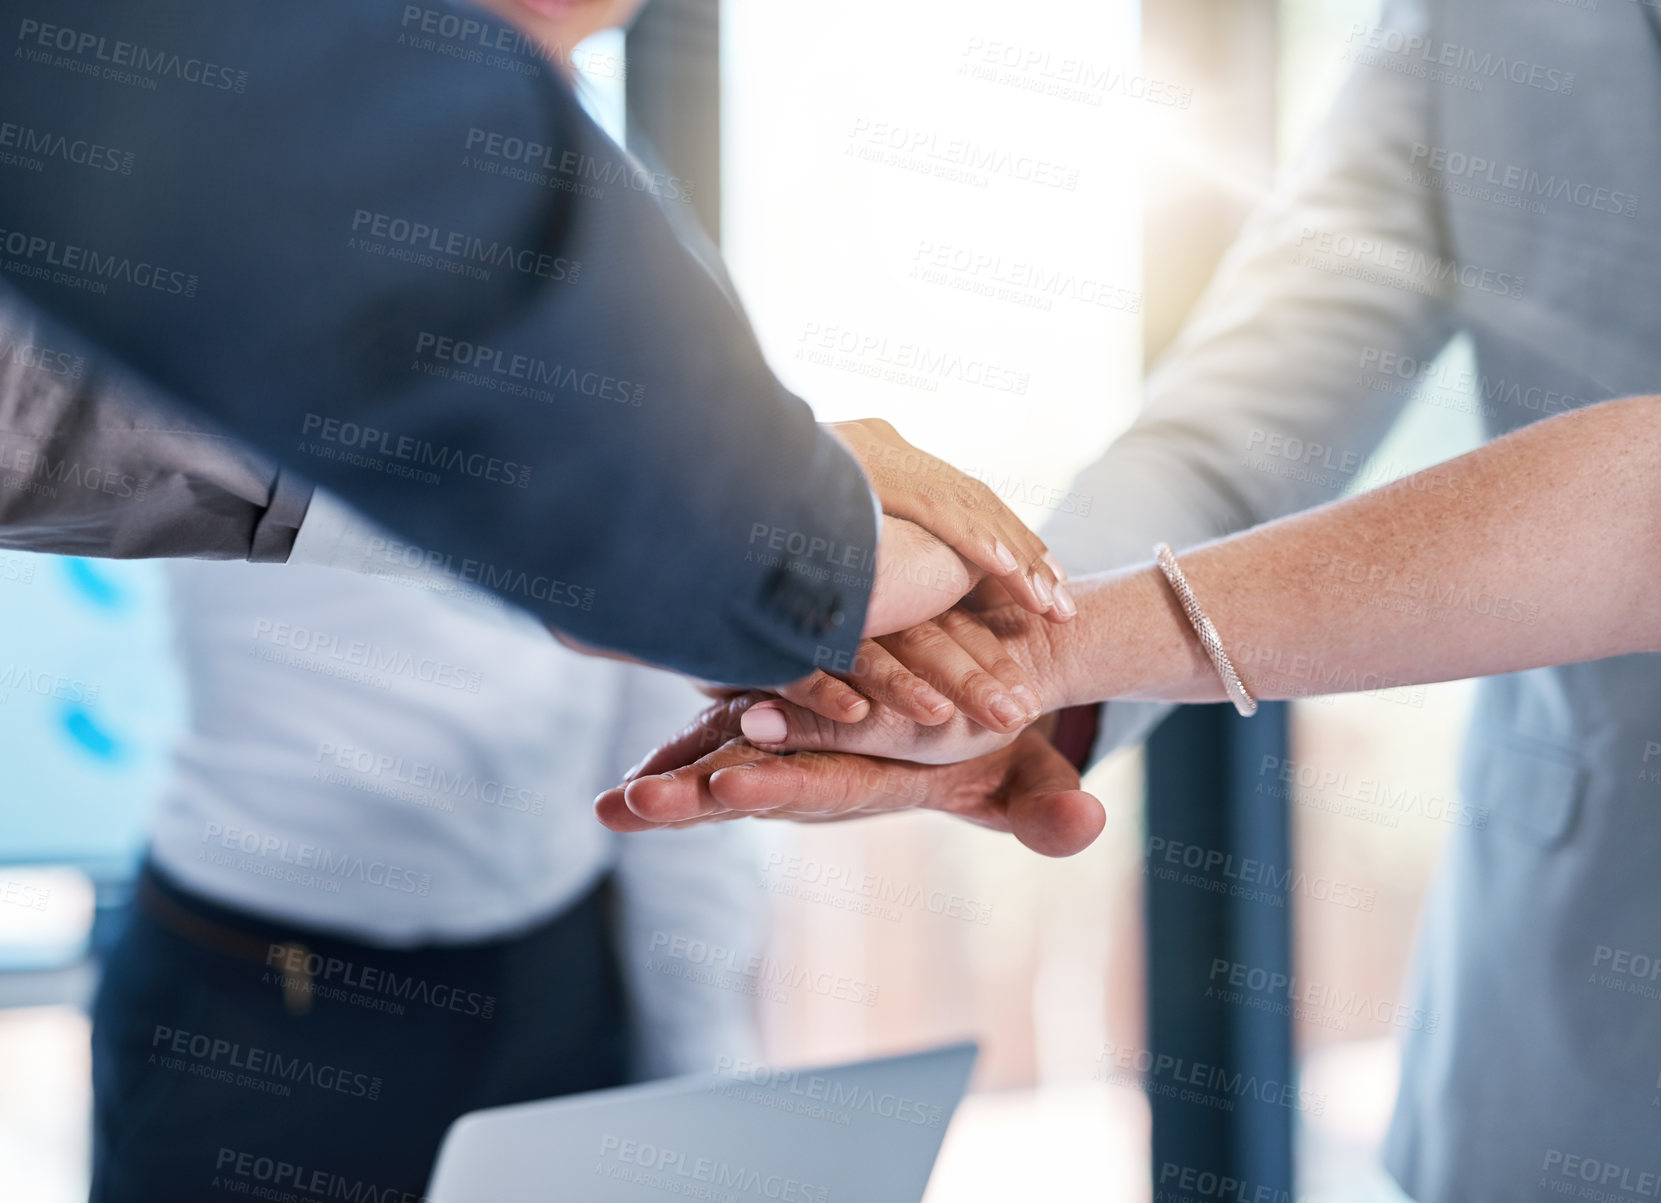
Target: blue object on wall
<point>90,703</point>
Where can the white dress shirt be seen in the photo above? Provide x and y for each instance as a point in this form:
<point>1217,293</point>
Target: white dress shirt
<point>402,766</point>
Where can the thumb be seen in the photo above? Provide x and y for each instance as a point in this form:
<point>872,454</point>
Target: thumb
<point>1047,810</point>
<point>712,728</point>
<point>776,723</point>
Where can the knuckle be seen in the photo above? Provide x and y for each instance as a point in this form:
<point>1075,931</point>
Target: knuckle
<point>1005,668</point>
<point>812,689</point>
<point>804,726</point>
<point>826,779</point>
<point>978,496</point>
<point>868,659</point>
<point>897,679</point>
<point>924,637</point>
<point>825,732</point>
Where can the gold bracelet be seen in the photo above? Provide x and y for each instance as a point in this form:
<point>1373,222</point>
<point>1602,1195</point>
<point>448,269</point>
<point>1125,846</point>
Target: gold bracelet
<point>1209,639</point>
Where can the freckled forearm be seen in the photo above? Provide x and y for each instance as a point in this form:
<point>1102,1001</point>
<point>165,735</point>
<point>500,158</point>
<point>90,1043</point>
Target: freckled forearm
<point>1540,548</point>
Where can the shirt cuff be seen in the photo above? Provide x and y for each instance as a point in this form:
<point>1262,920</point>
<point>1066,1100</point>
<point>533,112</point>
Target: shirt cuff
<point>278,529</point>
<point>1075,734</point>
<point>334,535</point>
<point>332,532</point>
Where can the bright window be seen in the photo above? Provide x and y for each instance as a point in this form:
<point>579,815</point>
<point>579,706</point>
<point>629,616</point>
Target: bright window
<point>932,211</point>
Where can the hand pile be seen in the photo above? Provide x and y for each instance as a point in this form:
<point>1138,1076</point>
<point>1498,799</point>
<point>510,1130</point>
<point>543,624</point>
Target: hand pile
<point>943,706</point>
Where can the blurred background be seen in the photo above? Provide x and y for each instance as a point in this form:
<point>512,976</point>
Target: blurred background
<point>1004,321</point>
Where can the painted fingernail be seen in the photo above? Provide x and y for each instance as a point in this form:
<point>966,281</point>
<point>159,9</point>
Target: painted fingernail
<point>1028,700</point>
<point>764,725</point>
<point>1005,708</point>
<point>1041,586</point>
<point>1004,557</point>
<point>1064,603</point>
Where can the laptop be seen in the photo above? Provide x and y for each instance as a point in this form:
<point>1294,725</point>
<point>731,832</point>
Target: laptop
<point>861,1132</point>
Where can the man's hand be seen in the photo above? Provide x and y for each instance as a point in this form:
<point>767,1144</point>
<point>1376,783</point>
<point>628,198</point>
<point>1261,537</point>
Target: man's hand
<point>1027,788</point>
<point>917,577</point>
<point>962,512</point>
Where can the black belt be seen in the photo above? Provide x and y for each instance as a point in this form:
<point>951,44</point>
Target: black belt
<point>195,920</point>
<point>195,926</point>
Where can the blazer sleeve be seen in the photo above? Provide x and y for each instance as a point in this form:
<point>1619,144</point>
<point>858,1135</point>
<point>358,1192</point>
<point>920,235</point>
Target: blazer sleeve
<point>92,466</point>
<point>382,242</point>
<point>1288,373</point>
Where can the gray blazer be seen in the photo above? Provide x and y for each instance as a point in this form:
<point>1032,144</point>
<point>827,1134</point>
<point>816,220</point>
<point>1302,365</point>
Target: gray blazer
<point>1491,167</point>
<point>94,465</point>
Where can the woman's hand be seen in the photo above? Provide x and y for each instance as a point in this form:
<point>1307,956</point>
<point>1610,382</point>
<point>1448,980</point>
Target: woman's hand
<point>962,512</point>
<point>927,674</point>
<point>993,666</point>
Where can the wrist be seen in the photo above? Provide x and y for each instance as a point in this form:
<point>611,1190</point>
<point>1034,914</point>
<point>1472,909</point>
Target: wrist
<point>1130,640</point>
<point>916,577</point>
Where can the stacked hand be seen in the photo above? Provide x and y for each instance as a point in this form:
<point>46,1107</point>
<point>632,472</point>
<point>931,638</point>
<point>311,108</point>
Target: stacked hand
<point>951,673</point>
<point>963,514</point>
<point>815,753</point>
<point>936,708</point>
<point>926,659</point>
<point>709,773</point>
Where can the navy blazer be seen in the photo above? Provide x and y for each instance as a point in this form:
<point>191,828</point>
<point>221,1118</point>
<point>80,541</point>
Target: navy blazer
<point>382,242</point>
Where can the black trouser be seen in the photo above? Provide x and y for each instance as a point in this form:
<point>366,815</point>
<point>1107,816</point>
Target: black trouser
<point>230,1052</point>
